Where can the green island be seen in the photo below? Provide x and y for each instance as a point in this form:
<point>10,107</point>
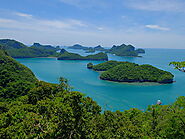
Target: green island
<point>121,50</point>
<point>18,50</point>
<point>125,50</point>
<point>78,46</point>
<point>179,65</point>
<point>131,72</point>
<point>90,50</point>
<point>64,55</point>
<point>30,108</point>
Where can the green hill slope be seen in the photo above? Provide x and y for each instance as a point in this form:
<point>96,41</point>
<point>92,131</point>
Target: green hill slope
<point>64,55</point>
<point>18,50</point>
<point>15,78</point>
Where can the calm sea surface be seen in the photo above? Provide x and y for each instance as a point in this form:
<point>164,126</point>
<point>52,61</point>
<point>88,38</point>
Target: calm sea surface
<point>110,95</point>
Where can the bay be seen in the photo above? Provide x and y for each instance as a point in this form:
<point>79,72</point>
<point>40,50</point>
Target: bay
<point>110,95</point>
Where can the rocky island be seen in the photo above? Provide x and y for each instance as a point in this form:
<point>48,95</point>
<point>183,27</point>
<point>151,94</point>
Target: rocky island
<point>65,55</point>
<point>131,72</point>
<point>125,50</point>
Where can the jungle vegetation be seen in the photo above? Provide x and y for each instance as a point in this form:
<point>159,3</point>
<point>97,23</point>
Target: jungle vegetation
<point>131,72</point>
<point>178,65</point>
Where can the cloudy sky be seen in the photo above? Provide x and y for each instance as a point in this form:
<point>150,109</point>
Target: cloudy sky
<point>143,23</point>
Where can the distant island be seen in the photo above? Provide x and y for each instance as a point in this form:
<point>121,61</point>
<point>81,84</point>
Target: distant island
<point>121,50</point>
<point>90,50</point>
<point>18,50</point>
<point>131,72</point>
<point>78,46</point>
<point>125,50</point>
<point>65,55</point>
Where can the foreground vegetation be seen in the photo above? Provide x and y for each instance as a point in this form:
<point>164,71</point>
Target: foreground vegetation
<point>131,72</point>
<point>46,110</point>
<point>64,55</point>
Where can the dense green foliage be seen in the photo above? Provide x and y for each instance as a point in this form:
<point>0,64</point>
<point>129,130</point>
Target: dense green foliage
<point>89,65</point>
<point>11,44</point>
<point>131,72</point>
<point>54,111</point>
<point>108,65</point>
<point>19,50</point>
<point>64,55</point>
<point>179,65</point>
<point>125,50</point>
<point>15,79</point>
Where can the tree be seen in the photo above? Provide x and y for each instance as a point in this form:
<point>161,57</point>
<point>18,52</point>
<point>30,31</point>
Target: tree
<point>179,65</point>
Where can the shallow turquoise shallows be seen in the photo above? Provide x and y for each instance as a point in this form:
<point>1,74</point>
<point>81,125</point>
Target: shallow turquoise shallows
<point>111,95</point>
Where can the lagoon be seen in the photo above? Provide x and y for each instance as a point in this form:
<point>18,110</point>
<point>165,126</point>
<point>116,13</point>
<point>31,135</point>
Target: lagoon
<point>110,95</point>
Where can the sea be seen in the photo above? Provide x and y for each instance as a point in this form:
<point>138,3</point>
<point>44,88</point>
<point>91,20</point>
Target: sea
<point>111,95</point>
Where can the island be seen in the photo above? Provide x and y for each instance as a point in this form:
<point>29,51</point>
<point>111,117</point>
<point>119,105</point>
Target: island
<point>78,46</point>
<point>90,50</point>
<point>120,50</point>
<point>99,48</point>
<point>65,55</point>
<point>131,72</point>
<point>17,49</point>
<point>125,50</point>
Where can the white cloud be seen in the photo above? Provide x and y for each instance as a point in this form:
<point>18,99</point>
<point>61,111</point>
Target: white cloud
<point>71,31</point>
<point>100,28</point>
<point>157,5</point>
<point>23,15</point>
<point>31,23</point>
<point>6,20</point>
<point>157,27</point>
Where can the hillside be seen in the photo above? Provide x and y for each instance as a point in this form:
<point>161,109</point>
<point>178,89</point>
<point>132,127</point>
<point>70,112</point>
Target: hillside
<point>18,50</point>
<point>11,44</point>
<point>64,55</point>
<point>131,72</point>
<point>15,78</point>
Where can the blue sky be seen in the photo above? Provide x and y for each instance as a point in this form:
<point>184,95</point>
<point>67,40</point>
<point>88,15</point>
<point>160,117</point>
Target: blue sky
<point>143,23</point>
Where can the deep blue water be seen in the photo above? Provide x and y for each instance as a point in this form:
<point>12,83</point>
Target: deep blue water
<point>111,95</point>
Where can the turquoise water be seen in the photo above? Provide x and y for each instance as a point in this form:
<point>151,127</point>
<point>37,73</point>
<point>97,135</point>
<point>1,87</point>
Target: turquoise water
<point>110,95</point>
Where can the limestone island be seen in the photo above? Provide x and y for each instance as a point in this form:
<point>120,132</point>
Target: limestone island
<point>65,55</point>
<point>125,50</point>
<point>119,50</point>
<point>131,72</point>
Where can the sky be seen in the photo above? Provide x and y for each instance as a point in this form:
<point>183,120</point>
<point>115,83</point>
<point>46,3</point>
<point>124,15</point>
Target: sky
<point>142,23</point>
